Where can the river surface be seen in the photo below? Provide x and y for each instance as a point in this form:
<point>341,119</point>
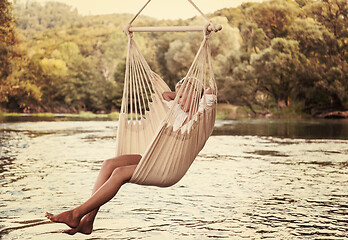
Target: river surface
<point>253,180</point>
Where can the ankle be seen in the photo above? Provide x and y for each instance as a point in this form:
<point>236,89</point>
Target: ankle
<point>76,213</point>
<point>89,219</point>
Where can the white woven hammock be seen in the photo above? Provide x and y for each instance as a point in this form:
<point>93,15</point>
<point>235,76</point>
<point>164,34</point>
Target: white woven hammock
<point>146,123</point>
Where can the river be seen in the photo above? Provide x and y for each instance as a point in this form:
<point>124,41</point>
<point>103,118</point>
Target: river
<point>253,180</point>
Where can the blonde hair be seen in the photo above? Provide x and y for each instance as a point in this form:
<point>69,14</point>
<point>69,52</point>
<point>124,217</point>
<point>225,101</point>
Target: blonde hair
<point>178,85</point>
<point>197,85</point>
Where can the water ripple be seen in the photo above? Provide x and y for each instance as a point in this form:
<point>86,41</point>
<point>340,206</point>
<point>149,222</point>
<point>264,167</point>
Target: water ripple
<point>239,187</point>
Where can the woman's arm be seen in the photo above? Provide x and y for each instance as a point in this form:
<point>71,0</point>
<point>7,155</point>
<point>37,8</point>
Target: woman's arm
<point>168,96</point>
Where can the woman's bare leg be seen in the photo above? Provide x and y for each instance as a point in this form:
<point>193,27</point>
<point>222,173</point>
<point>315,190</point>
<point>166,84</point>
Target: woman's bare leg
<point>106,192</point>
<point>86,224</point>
<point>105,172</point>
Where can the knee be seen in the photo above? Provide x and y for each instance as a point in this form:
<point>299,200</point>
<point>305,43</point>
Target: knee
<point>107,163</point>
<point>122,173</point>
<point>110,163</point>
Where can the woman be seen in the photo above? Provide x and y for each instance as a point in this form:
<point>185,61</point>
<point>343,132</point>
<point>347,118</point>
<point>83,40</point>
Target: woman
<point>117,171</point>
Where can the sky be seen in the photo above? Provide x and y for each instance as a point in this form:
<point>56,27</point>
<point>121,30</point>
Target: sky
<point>161,9</point>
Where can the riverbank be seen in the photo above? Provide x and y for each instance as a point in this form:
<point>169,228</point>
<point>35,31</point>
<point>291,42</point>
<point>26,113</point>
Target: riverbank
<point>224,112</point>
<point>232,112</point>
<point>54,116</point>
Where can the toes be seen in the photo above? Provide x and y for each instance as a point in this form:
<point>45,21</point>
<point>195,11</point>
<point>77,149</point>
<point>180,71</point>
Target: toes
<point>51,217</point>
<point>65,217</point>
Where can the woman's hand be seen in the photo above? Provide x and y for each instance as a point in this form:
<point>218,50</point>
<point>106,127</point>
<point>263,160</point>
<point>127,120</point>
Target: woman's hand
<point>168,96</point>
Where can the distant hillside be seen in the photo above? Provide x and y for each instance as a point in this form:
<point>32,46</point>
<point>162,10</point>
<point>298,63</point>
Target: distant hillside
<point>33,17</point>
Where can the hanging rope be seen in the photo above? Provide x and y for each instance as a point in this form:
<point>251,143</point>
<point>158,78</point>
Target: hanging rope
<point>199,10</point>
<point>136,15</point>
<point>208,27</point>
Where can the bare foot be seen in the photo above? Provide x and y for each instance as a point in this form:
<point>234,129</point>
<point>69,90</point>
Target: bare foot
<point>85,227</point>
<point>66,217</point>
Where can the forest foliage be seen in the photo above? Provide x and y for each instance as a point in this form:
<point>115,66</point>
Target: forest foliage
<point>273,54</point>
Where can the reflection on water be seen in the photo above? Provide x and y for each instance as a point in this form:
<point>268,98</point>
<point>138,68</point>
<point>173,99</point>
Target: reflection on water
<point>316,129</point>
<point>241,186</point>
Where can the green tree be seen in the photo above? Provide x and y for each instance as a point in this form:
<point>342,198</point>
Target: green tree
<point>79,85</point>
<point>111,53</point>
<point>53,72</point>
<point>254,38</point>
<point>333,14</point>
<point>16,91</point>
<point>274,17</point>
<point>8,38</point>
<point>277,69</point>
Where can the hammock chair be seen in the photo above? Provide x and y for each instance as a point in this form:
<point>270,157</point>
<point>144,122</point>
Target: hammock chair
<point>147,126</point>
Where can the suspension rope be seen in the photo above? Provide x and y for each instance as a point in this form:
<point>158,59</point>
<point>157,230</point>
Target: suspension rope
<point>136,15</point>
<point>199,10</point>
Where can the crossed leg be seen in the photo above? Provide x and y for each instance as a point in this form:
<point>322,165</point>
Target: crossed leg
<point>113,174</point>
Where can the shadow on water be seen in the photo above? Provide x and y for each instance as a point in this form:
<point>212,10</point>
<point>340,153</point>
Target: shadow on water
<point>307,129</point>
